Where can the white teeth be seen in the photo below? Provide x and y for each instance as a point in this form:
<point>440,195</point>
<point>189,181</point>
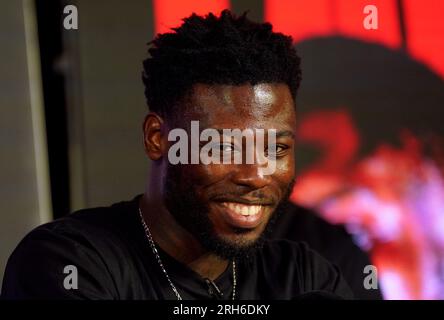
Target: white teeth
<point>245,210</point>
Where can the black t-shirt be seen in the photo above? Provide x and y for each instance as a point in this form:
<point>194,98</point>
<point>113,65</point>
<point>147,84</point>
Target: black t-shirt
<point>301,224</point>
<point>114,261</point>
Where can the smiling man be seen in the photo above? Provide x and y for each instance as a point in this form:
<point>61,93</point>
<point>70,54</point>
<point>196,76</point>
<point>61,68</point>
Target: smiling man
<point>198,231</point>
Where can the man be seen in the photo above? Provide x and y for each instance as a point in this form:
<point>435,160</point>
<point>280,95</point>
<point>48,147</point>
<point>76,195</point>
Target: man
<point>198,231</point>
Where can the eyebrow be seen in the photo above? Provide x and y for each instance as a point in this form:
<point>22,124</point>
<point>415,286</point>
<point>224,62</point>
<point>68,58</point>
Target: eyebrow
<point>285,133</point>
<point>279,134</point>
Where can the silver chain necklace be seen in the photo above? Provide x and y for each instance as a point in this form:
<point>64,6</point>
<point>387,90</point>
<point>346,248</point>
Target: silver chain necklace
<point>159,261</point>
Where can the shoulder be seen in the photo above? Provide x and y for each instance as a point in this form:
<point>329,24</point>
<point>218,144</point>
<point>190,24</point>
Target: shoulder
<point>286,249</point>
<point>88,239</point>
<point>333,242</point>
<point>299,265</point>
<point>298,223</point>
<point>280,255</point>
<point>87,227</point>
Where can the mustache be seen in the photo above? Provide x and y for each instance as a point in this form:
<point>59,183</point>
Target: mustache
<point>255,197</point>
<point>250,198</point>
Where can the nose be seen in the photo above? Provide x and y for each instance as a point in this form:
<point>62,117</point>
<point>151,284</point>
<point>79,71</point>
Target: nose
<point>251,175</point>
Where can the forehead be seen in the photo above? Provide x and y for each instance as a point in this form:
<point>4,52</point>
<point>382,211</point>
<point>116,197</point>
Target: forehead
<point>238,106</point>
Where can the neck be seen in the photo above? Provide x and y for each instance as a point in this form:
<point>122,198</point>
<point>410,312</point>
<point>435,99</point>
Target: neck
<point>176,241</point>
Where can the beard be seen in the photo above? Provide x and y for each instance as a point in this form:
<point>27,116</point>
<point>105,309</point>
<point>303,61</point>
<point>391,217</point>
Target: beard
<point>192,215</point>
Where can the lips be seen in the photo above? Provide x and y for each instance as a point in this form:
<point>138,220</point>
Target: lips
<point>242,215</point>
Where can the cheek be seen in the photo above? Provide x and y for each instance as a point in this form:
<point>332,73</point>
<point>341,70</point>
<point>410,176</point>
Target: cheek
<point>285,171</point>
<point>204,176</point>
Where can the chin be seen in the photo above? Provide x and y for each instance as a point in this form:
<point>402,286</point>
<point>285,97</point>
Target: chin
<point>239,244</point>
<point>241,240</point>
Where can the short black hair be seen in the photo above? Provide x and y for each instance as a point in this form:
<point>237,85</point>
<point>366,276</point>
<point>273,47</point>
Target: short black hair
<point>228,49</point>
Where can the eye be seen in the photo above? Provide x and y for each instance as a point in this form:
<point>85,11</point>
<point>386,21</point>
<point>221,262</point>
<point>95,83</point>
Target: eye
<point>277,150</point>
<point>223,148</point>
<point>226,147</point>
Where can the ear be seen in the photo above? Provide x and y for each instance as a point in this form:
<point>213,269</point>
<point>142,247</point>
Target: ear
<point>153,136</point>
